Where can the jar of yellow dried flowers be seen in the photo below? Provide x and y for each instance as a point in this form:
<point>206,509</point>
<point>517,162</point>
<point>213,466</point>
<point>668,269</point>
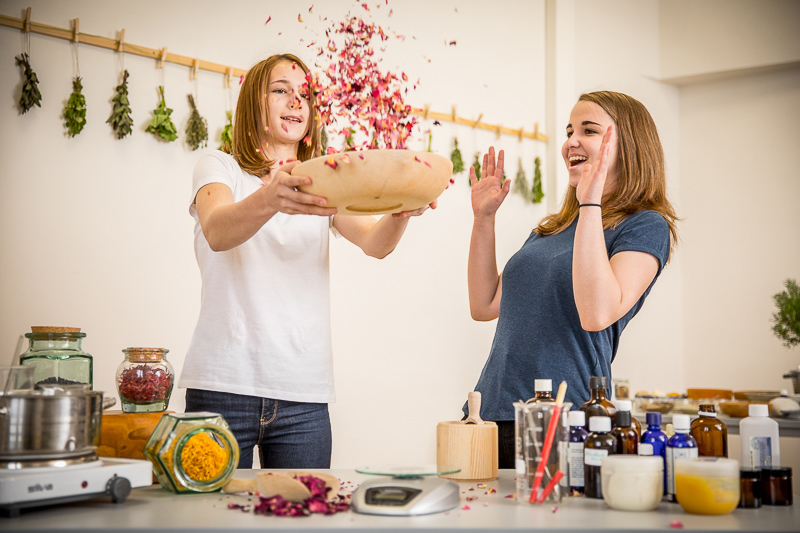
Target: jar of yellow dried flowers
<point>192,452</point>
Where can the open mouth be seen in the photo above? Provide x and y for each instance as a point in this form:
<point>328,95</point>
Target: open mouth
<point>291,119</point>
<point>575,160</point>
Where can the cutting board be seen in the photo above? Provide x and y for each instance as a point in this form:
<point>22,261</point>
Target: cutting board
<point>125,434</point>
<point>373,182</point>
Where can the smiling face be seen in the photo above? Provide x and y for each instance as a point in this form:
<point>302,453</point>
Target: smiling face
<point>588,123</point>
<point>288,104</point>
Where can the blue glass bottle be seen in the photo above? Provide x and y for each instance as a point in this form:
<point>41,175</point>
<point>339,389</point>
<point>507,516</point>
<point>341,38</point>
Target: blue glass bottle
<point>658,439</point>
<point>679,446</point>
<point>577,436</point>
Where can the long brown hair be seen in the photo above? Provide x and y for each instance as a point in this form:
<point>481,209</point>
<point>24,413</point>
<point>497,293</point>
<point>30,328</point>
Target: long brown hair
<point>641,181</point>
<point>250,132</point>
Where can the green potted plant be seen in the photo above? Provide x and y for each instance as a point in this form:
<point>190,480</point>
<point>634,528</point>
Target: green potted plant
<point>786,322</point>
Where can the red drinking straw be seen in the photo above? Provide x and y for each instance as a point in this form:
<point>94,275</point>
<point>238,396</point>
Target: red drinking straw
<point>548,440</point>
<point>550,486</point>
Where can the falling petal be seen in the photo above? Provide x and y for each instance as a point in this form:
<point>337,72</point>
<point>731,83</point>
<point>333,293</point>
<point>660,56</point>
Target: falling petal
<point>345,158</point>
<point>331,162</point>
<point>676,524</point>
<point>299,17</point>
<point>267,22</point>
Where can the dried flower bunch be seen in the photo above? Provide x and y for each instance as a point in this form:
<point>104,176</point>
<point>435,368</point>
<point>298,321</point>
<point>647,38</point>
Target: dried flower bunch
<point>30,87</point>
<point>161,125</point>
<point>354,89</point>
<point>120,119</point>
<point>75,110</point>
<point>455,157</point>
<point>227,133</point>
<point>196,127</point>
<point>537,194</point>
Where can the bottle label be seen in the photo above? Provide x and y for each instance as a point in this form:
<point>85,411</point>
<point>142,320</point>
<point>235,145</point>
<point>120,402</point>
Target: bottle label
<point>594,457</point>
<point>575,458</point>
<point>761,452</point>
<point>672,454</point>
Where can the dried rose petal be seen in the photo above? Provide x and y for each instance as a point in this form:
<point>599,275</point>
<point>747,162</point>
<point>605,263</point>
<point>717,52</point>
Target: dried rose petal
<point>267,22</point>
<point>466,508</point>
<point>676,524</point>
<point>345,158</point>
<point>299,17</point>
<point>331,162</point>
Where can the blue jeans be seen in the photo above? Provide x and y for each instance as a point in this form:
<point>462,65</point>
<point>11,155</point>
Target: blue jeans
<point>292,435</point>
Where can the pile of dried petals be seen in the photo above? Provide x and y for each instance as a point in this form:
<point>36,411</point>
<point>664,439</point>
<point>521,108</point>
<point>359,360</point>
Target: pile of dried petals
<point>317,503</point>
<point>354,89</point>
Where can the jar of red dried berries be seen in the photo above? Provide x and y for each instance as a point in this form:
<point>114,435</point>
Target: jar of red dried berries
<point>144,380</point>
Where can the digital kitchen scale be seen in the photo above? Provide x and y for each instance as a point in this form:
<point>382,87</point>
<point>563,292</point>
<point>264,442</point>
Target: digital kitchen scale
<point>406,491</point>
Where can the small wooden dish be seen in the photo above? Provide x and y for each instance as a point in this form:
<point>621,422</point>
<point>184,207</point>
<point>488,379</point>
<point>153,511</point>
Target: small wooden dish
<point>734,408</point>
<point>374,182</point>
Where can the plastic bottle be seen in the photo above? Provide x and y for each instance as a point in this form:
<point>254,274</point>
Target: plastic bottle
<point>657,440</point>
<point>681,445</point>
<point>760,442</point>
<point>627,438</point>
<point>577,438</point>
<point>710,433</point>
<point>543,389</point>
<point>598,404</point>
<point>626,405</point>
<point>599,444</point>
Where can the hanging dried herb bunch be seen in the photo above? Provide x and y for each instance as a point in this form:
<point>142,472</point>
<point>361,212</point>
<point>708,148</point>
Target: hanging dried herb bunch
<point>455,157</point>
<point>477,164</point>
<point>161,125</point>
<point>196,128</point>
<point>75,110</point>
<point>521,185</point>
<point>227,134</point>
<point>536,193</point>
<point>120,119</point>
<point>30,87</point>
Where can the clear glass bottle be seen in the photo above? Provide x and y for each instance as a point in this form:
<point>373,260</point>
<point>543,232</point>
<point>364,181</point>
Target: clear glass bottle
<point>57,356</point>
<point>627,438</point>
<point>598,404</point>
<point>144,380</point>
<point>681,445</point>
<point>577,438</point>
<point>192,452</point>
<point>710,433</point>
<point>599,444</point>
<point>656,439</point>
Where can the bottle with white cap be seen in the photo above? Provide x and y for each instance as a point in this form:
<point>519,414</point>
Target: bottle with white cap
<point>543,389</point>
<point>599,444</point>
<point>760,439</point>
<point>626,405</point>
<point>681,445</point>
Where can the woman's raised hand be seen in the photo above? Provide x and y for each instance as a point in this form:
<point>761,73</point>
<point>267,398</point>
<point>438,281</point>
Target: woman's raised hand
<point>489,191</point>
<point>593,180</point>
<point>283,195</point>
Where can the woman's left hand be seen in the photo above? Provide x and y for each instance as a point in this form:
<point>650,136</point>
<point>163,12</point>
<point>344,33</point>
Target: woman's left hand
<point>593,180</point>
<point>415,212</point>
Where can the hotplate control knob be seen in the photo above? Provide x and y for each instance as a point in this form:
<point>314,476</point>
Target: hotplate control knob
<point>118,488</point>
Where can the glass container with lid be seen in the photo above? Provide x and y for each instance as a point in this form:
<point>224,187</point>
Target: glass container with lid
<point>144,380</point>
<point>192,452</point>
<point>57,356</point>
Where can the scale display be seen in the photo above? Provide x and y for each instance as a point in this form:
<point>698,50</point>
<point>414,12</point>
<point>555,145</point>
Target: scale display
<point>406,491</point>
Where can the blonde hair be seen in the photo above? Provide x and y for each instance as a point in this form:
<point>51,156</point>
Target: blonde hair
<point>641,181</point>
<point>251,134</point>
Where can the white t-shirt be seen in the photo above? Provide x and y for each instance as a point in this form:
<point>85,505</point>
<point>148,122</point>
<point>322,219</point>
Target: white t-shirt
<point>264,327</point>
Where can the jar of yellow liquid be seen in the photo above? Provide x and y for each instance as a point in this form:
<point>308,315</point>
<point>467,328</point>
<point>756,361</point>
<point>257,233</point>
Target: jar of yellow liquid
<point>707,485</point>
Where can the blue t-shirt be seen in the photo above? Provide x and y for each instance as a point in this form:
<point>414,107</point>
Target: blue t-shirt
<point>539,333</point>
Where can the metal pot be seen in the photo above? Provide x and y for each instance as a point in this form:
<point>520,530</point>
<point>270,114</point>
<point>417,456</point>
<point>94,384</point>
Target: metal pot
<point>794,375</point>
<point>49,424</point>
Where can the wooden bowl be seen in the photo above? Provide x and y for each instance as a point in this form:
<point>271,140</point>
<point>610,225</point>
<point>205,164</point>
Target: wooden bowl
<point>709,394</point>
<point>760,396</point>
<point>734,408</point>
<point>375,182</point>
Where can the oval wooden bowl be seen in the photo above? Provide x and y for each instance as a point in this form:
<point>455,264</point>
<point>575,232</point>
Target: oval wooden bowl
<point>374,182</point>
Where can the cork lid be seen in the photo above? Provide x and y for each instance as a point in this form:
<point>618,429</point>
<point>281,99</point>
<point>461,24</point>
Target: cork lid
<point>139,354</point>
<point>54,329</point>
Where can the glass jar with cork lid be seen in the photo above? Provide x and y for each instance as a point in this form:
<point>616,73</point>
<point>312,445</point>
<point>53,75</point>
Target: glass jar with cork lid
<point>144,380</point>
<point>56,354</point>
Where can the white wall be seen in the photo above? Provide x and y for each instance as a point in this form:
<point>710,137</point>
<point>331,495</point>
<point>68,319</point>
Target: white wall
<point>97,232</point>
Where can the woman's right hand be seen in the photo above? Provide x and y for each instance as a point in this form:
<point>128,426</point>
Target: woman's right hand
<point>282,194</point>
<point>489,191</point>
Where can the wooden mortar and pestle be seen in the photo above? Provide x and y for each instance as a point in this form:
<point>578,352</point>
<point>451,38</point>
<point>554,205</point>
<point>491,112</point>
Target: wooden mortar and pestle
<point>469,444</point>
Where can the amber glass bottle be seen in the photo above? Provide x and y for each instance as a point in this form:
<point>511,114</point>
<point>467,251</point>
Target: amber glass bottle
<point>627,438</point>
<point>710,433</point>
<point>599,404</point>
<point>599,444</point>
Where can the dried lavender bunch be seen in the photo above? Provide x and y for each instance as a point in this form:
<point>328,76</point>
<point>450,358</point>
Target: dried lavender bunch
<point>120,119</point>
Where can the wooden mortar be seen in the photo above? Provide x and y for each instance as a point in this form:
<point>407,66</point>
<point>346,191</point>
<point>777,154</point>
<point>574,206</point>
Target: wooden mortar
<point>472,446</point>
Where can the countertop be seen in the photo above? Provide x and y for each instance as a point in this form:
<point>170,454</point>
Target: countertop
<point>155,509</point>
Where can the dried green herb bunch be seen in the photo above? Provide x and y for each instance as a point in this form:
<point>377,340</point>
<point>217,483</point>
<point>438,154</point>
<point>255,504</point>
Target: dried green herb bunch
<point>455,157</point>
<point>196,127</point>
<point>30,87</point>
<point>520,185</point>
<point>227,134</point>
<point>537,194</point>
<point>477,164</point>
<point>787,320</point>
<point>120,119</point>
<point>75,110</point>
<point>161,125</point>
